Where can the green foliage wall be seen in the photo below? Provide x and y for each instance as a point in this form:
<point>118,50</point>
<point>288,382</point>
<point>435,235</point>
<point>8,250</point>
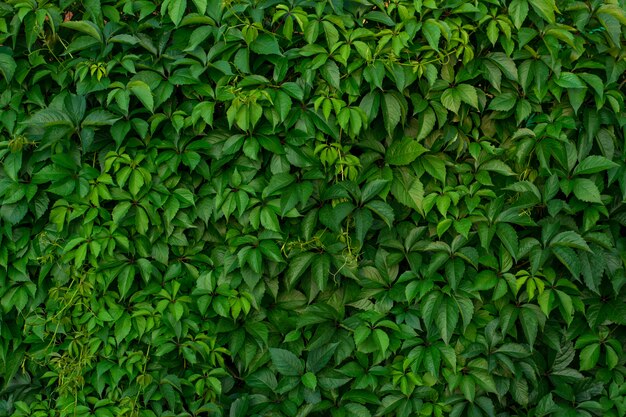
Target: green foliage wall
<point>344,208</point>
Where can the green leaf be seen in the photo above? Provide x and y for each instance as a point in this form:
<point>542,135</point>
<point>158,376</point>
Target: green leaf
<point>451,100</point>
<point>282,104</point>
<point>594,164</point>
<point>570,239</point>
<point>594,82</point>
<point>14,213</point>
<point>100,117</point>
<point>142,91</point>
<point>496,165</point>
<point>485,280</point>
<point>503,102</point>
<point>508,237</point>
<point>185,196</point>
<point>372,189</point>
<point>201,5</point>
<point>84,26</point>
<point>467,94</point>
<point>7,66</point>
<point>332,217</point>
<point>589,356</point>
<point>382,340</point>
<point>432,33</point>
<point>426,121</point>
<point>383,210</point>
<point>530,325</point>
<point>277,183</point>
<point>463,227</point>
<point>294,90</point>
<point>378,16</point>
<point>569,258</point>
<point>545,9</point>
<point>468,388</point>
<point>447,318</point>
<point>407,189</point>
<point>120,211</point>
<point>435,167</point>
<point>239,407</point>
<point>12,164</point>
<point>269,220</point>
<point>330,72</point>
<point>404,152</point>
<point>309,380</point>
<point>513,350</point>
<point>320,270</point>
<point>585,190</point>
<point>297,266</point>
<point>518,10</point>
<point>265,44</point>
<point>286,362</point>
<point>122,328</point>
<point>569,80</point>
<point>176,10</point>
<point>392,112</point>
<point>506,65</point>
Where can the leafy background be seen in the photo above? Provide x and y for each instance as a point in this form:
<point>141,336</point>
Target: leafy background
<point>327,208</point>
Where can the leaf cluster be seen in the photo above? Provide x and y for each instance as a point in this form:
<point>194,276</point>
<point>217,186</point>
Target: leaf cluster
<point>312,208</point>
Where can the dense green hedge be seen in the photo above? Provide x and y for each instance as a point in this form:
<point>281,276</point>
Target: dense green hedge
<point>342,208</point>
